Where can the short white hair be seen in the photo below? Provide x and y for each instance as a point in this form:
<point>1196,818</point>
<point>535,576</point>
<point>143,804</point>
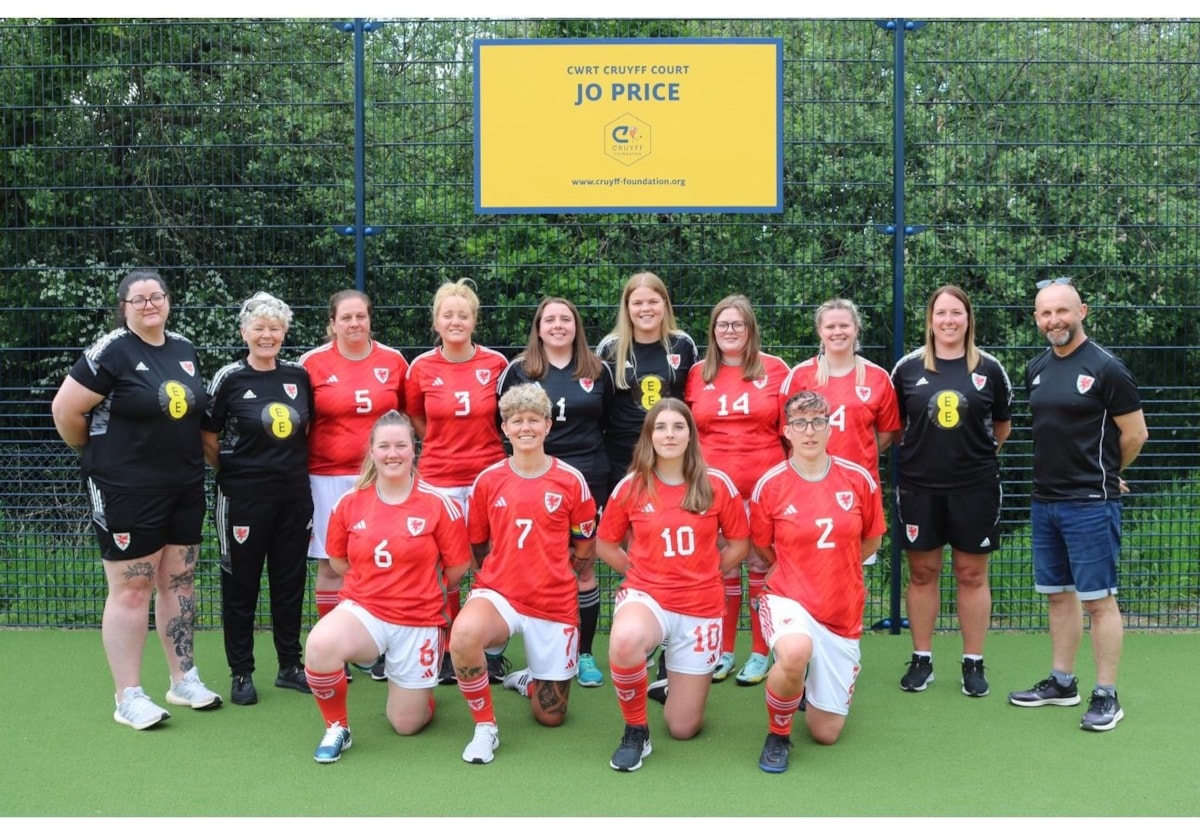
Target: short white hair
<point>263,305</point>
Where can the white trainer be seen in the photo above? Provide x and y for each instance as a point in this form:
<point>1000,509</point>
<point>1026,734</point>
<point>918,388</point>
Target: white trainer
<point>486,740</point>
<point>135,709</point>
<point>190,692</point>
<point>518,681</point>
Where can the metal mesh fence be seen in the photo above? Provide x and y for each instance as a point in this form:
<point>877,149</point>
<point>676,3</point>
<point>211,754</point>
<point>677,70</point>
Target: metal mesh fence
<point>223,152</point>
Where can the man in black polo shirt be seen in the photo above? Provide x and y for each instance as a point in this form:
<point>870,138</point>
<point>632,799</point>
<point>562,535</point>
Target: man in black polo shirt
<point>1088,426</point>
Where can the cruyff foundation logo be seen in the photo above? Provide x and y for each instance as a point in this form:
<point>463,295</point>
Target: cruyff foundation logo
<point>627,139</point>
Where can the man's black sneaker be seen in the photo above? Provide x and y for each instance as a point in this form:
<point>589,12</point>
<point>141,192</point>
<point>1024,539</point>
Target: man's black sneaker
<point>498,666</point>
<point>1047,692</point>
<point>242,692</point>
<point>1104,711</point>
<point>657,691</point>
<point>919,674</point>
<point>635,746</point>
<point>774,758</point>
<point>378,672</point>
<point>293,677</point>
<point>446,676</point>
<point>973,681</point>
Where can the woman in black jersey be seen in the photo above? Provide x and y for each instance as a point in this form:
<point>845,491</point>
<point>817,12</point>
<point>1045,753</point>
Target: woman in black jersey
<point>132,406</point>
<point>956,406</point>
<point>580,388</point>
<point>649,357</point>
<point>255,434</point>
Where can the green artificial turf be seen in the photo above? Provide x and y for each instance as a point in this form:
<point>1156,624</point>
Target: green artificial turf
<point>931,754</point>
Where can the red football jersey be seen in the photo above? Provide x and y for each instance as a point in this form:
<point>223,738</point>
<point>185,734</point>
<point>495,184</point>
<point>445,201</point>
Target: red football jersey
<point>349,395</point>
<point>856,412</point>
<point>817,529</point>
<point>530,523</point>
<point>458,402</point>
<point>397,552</point>
<point>737,420</point>
<point>673,553</point>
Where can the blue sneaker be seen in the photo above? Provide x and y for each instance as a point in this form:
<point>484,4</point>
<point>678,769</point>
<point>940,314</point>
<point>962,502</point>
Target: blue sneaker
<point>589,673</point>
<point>335,740</point>
<point>774,758</point>
<point>725,667</point>
<point>755,670</point>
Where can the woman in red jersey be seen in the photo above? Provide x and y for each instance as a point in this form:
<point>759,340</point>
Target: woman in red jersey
<point>355,380</point>
<point>734,396</point>
<point>672,508</point>
<point>399,543</point>
<point>526,514</point>
<point>450,391</point>
<point>813,518</point>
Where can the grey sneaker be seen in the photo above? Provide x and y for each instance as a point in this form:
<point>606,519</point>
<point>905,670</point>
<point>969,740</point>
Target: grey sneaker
<point>135,709</point>
<point>190,692</point>
<point>333,743</point>
<point>1104,711</point>
<point>1047,692</point>
<point>635,746</point>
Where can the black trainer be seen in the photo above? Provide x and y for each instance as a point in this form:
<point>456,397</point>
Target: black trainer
<point>293,677</point>
<point>377,669</point>
<point>446,676</point>
<point>635,746</point>
<point>1104,711</point>
<point>919,674</point>
<point>498,667</point>
<point>1047,692</point>
<point>974,683</point>
<point>242,692</point>
<point>349,674</point>
<point>774,758</point>
<point>657,691</point>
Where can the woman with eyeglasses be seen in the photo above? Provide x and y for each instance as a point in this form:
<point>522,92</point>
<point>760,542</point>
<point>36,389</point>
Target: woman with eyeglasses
<point>812,518</point>
<point>674,512</point>
<point>355,380</point>
<point>734,396</point>
<point>255,434</point>
<point>956,406</point>
<point>131,406</point>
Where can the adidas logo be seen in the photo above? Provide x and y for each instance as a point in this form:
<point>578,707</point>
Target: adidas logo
<point>710,387</point>
<point>361,525</point>
<point>922,381</point>
<point>141,366</point>
<point>428,673</point>
<point>437,382</point>
<point>332,379</point>
<point>249,395</point>
<point>791,510</point>
<point>501,502</point>
<point>1036,380</point>
<point>649,508</point>
<point>987,542</point>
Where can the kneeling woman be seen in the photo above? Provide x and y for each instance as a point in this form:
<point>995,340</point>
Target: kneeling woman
<point>812,518</point>
<point>672,508</point>
<point>398,544</point>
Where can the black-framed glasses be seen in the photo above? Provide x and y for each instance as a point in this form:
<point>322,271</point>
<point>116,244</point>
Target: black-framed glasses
<point>816,423</point>
<point>1041,285</point>
<point>735,326</point>
<point>139,302</point>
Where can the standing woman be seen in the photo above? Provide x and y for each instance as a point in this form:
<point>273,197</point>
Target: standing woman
<point>355,380</point>
<point>400,544</point>
<point>672,508</point>
<point>255,435</point>
<point>649,357</point>
<point>956,404</point>
<point>451,395</point>
<point>734,396</point>
<point>580,388</point>
<point>132,406</point>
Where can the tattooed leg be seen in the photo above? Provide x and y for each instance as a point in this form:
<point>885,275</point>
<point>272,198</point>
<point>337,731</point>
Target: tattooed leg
<point>126,613</point>
<point>175,607</point>
<point>549,701</point>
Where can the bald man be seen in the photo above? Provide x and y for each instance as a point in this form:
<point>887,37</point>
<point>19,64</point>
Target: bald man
<point>1088,426</point>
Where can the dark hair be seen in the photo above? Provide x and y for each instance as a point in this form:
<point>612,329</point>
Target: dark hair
<point>336,299</point>
<point>587,364</point>
<point>139,274</point>
<point>699,495</point>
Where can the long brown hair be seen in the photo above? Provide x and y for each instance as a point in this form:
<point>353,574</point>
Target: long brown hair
<point>929,351</point>
<point>699,496</point>
<point>587,364</point>
<point>752,366</point>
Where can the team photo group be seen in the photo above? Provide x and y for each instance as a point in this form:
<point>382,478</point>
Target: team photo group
<point>710,481</point>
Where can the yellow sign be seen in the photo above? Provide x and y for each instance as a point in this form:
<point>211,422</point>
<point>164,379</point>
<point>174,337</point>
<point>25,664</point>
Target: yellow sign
<point>637,125</point>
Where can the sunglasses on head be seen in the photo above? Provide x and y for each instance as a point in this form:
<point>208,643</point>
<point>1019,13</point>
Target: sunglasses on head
<point>1041,285</point>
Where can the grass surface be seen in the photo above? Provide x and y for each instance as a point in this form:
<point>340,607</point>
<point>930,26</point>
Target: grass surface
<point>931,754</point>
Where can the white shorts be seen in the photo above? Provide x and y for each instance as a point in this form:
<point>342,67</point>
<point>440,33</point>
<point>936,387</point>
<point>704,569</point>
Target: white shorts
<point>458,495</point>
<point>326,490</point>
<point>413,652</point>
<point>685,651</point>
<point>835,662</point>
<point>551,649</point>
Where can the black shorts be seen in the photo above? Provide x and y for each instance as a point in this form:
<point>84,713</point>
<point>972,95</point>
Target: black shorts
<point>131,525</point>
<point>969,520</point>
